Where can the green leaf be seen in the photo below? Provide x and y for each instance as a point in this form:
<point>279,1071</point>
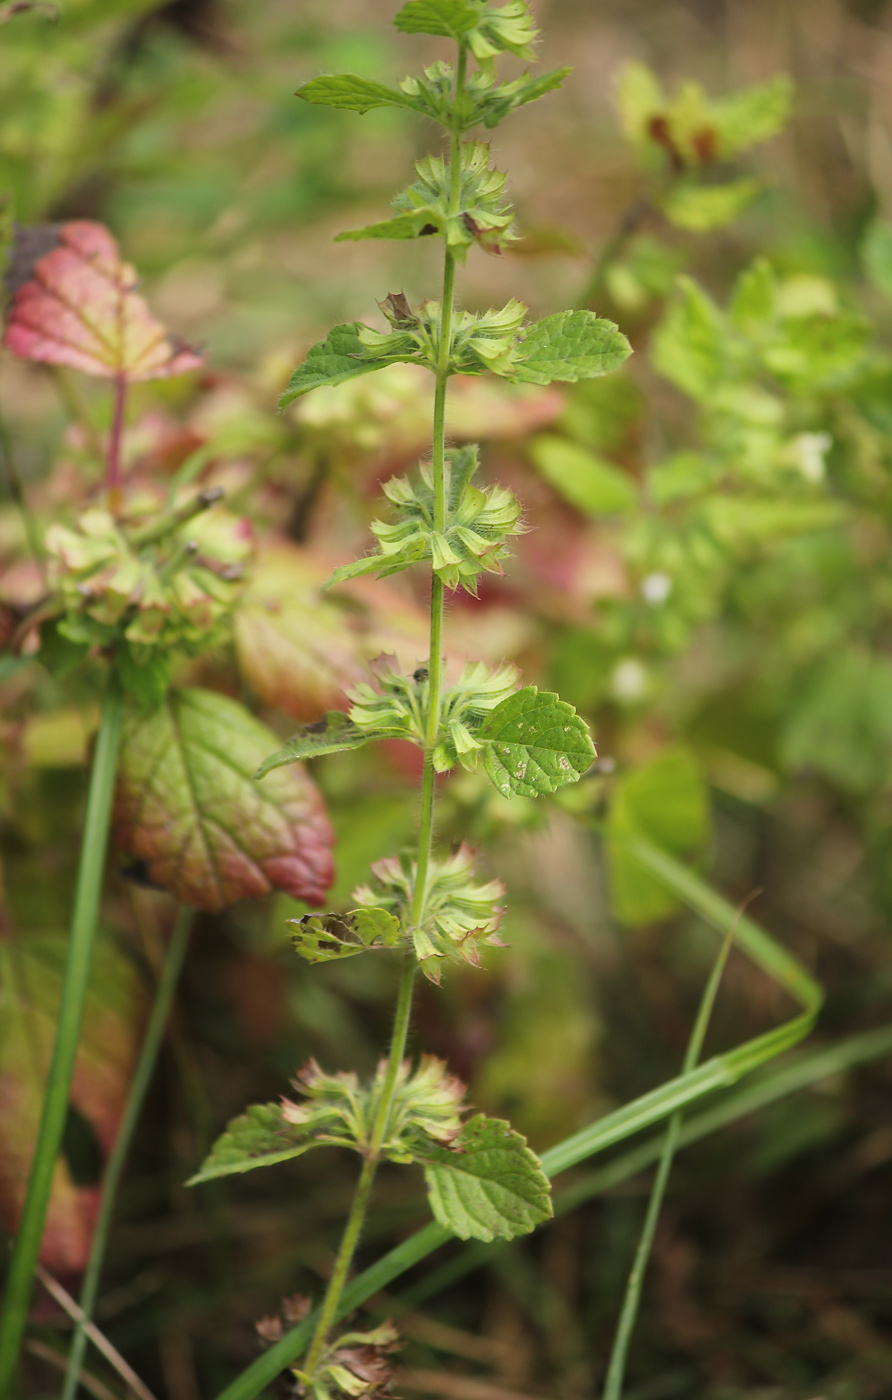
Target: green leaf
<point>340,357</point>
<point>333,733</point>
<point>188,807</point>
<point>488,1185</point>
<point>841,723</point>
<point>450,19</point>
<point>401,227</point>
<point>588,482</point>
<point>353,93</point>
<point>876,252</point>
<point>689,345</point>
<point>570,346</point>
<point>703,207</point>
<point>260,1137</point>
<point>754,300</point>
<point>534,743</point>
<point>664,801</point>
<point>751,116</point>
<point>324,937</point>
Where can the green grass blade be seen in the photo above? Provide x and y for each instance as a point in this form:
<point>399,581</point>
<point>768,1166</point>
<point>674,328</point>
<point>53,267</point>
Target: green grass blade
<point>20,1279</point>
<point>148,1055</point>
<point>720,1072</point>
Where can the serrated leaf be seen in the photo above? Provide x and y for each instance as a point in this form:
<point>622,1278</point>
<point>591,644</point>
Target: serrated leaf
<point>187,804</point>
<point>333,733</point>
<point>353,93</point>
<point>489,1185</point>
<point>534,743</point>
<point>753,115</point>
<point>325,937</point>
<point>589,483</point>
<point>449,19</point>
<point>259,1137</point>
<point>703,207</point>
<point>689,345</point>
<point>570,346</point>
<point>341,356</point>
<point>665,801</point>
<point>76,304</point>
<point>31,972</point>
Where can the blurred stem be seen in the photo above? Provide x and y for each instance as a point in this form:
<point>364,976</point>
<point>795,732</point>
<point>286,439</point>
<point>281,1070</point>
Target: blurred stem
<point>331,1303</point>
<point>77,409</point>
<point>17,493</point>
<point>20,1278</point>
<point>164,995</point>
<point>113,460</point>
<point>625,230</point>
<point>613,1385</point>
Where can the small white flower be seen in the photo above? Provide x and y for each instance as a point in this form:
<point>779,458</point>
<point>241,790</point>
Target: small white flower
<point>655,589</point>
<point>810,450</point>
<point>629,681</point>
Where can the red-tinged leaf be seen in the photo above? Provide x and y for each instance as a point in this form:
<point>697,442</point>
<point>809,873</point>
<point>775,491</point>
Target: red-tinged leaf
<point>75,303</point>
<point>31,970</point>
<point>299,649</point>
<point>188,806</point>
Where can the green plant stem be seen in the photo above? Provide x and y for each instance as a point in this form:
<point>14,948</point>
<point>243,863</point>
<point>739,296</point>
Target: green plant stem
<point>145,1066</point>
<point>331,1303</point>
<point>20,1278</point>
<point>329,1310</point>
<point>613,1385</point>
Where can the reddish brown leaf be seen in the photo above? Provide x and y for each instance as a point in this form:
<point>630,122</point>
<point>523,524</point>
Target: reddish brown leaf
<point>300,649</point>
<point>189,807</point>
<point>75,303</point>
<point>30,982</point>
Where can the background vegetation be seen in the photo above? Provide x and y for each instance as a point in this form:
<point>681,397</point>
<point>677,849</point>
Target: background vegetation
<point>707,581</point>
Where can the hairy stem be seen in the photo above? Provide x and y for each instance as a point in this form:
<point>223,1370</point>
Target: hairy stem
<point>353,1228</point>
<point>164,995</point>
<point>20,1278</point>
<point>613,1385</point>
<point>330,1306</point>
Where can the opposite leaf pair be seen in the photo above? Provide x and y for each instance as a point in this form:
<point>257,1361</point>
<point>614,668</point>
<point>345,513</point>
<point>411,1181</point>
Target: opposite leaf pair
<point>483,1181</point>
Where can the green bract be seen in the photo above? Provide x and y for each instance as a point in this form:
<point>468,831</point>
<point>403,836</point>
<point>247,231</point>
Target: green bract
<point>480,215</point>
<point>459,913</point>
<point>478,523</point>
<point>147,589</point>
<point>336,1110</point>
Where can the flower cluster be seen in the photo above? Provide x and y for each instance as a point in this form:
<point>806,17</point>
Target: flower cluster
<point>459,914</point>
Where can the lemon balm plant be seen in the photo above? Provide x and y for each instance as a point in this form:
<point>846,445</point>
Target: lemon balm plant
<point>427,908</point>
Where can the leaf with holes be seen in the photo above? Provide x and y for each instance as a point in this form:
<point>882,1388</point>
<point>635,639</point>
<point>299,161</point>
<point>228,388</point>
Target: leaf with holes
<point>324,937</point>
<point>488,1185</point>
<point>31,971</point>
<point>188,806</point>
<point>75,303</point>
<point>534,743</point>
